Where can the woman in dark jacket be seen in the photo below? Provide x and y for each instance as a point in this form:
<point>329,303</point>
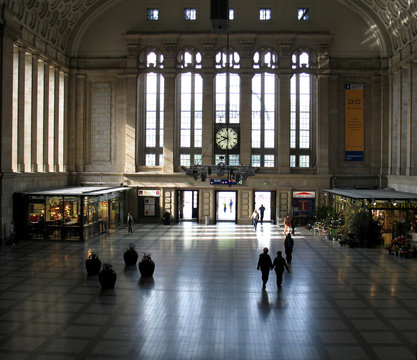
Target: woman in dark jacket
<point>279,265</point>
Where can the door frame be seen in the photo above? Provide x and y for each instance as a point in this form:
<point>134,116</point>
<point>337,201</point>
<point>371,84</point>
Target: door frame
<point>235,205</point>
<point>180,198</point>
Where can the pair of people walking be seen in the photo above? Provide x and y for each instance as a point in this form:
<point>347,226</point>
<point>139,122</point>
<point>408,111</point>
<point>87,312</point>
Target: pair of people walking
<point>265,264</point>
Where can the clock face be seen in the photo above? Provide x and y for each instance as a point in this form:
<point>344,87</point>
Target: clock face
<point>226,138</point>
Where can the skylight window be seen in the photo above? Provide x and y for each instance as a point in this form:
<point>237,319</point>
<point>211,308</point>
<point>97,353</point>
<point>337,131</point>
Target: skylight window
<point>265,14</point>
<point>190,14</point>
<point>153,14</point>
<point>303,14</point>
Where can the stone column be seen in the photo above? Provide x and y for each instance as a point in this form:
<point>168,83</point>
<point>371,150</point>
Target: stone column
<point>208,118</point>
<point>169,122</point>
<point>80,114</point>
<point>333,142</point>
<point>128,98</point>
<point>245,118</point>
<point>21,113</point>
<point>375,134</point>
<point>6,108</point>
<point>283,125</point>
<point>56,121</point>
<point>46,118</point>
<point>413,170</point>
<point>34,140</point>
<point>322,128</point>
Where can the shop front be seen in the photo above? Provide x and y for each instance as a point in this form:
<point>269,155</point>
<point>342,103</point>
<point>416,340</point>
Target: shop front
<point>67,214</point>
<point>395,211</point>
<point>303,206</point>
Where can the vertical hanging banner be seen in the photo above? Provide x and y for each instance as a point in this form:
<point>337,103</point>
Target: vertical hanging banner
<point>354,122</point>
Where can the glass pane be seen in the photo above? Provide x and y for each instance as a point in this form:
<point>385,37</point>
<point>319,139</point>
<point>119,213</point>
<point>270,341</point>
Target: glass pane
<point>270,83</point>
<point>304,161</point>
<point>292,139</point>
<point>269,102</point>
<point>234,160</point>
<point>304,139</point>
<point>269,161</point>
<point>270,120</point>
<point>185,159</point>
<point>269,139</point>
<point>150,160</point>
<point>256,102</point>
<point>256,160</point>
<point>292,161</point>
<point>256,139</point>
<point>256,84</point>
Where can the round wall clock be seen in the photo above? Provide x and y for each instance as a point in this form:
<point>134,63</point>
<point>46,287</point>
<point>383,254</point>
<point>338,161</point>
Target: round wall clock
<point>226,138</point>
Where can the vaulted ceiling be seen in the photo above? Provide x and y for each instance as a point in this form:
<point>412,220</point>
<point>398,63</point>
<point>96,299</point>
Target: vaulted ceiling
<point>56,20</point>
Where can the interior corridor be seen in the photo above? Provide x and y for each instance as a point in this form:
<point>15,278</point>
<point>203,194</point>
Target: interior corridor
<point>206,300</point>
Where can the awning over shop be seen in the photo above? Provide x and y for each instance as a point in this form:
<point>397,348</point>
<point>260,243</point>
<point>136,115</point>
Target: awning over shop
<point>382,194</point>
<point>78,191</point>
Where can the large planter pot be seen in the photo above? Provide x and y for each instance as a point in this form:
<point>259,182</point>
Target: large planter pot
<point>130,258</point>
<point>107,280</point>
<point>93,266</point>
<point>146,268</point>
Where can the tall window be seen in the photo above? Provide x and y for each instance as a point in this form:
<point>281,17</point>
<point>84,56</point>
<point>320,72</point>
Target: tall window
<point>263,110</point>
<point>227,100</point>
<point>191,109</point>
<point>154,111</point>
<point>300,113</point>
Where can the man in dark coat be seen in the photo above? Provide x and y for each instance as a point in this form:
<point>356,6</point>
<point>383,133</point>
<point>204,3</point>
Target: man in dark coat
<point>262,213</point>
<point>279,265</point>
<point>288,245</point>
<point>265,265</point>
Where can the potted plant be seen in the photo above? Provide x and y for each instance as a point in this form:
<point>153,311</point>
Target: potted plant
<point>146,265</point>
<point>130,255</point>
<point>166,218</point>
<point>93,263</point>
<point>107,276</point>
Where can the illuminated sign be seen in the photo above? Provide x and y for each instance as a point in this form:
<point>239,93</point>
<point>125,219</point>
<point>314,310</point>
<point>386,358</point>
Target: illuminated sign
<point>304,194</point>
<point>155,193</point>
<point>390,205</point>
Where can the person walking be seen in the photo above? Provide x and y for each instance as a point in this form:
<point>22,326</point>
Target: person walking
<point>287,224</point>
<point>255,219</point>
<point>262,212</point>
<point>265,265</point>
<point>279,265</point>
<point>288,245</point>
<point>129,223</point>
<point>293,224</point>
<point>12,233</point>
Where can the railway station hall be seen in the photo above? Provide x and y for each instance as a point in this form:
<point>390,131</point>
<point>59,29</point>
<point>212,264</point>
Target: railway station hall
<point>208,179</point>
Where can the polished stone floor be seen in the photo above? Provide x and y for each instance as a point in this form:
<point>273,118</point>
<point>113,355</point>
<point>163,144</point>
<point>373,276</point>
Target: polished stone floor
<point>205,300</point>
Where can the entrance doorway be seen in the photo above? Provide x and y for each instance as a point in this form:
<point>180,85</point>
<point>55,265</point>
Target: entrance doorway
<point>267,200</point>
<point>226,206</point>
<point>187,205</point>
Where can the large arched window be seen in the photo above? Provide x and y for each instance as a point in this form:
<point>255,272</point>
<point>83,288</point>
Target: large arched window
<point>301,111</point>
<point>190,108</point>
<point>263,109</point>
<point>227,104</point>
<point>154,110</point>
